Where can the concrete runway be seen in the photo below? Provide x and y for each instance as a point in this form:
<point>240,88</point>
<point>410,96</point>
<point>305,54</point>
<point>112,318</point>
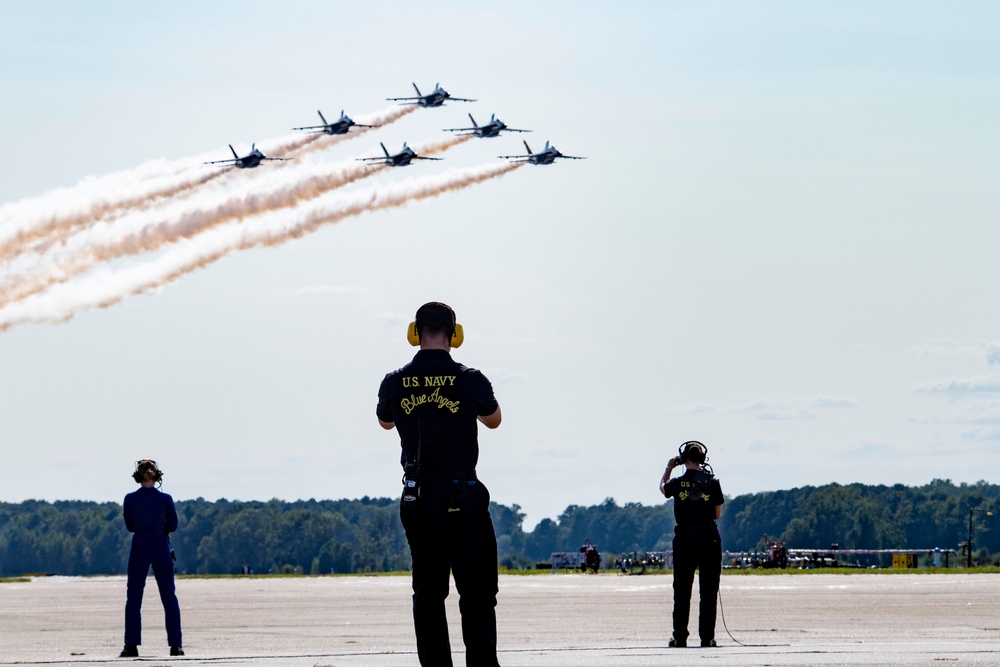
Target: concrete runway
<point>550,620</point>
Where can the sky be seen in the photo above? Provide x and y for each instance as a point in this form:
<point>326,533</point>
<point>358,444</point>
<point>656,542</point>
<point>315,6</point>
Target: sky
<point>783,243</point>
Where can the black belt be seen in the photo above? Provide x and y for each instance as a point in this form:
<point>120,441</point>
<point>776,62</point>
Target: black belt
<point>454,476</point>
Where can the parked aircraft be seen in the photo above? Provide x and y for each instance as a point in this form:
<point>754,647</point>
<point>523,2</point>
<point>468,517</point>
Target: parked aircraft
<point>491,129</point>
<point>400,159</point>
<point>340,126</point>
<point>434,99</point>
<point>546,156</point>
<point>249,161</point>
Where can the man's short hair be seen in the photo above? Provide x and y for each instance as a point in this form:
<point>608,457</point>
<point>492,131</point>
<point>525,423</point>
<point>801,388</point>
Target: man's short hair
<point>435,318</point>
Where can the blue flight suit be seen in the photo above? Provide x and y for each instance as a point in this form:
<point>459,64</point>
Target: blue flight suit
<point>150,515</point>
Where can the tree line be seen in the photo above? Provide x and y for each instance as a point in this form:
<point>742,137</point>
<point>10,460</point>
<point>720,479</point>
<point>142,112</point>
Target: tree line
<point>72,537</point>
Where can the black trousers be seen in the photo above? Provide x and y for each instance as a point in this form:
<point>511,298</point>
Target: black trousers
<point>450,532</point>
<point>700,549</point>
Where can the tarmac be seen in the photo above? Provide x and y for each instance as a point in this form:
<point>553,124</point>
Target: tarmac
<point>544,620</point>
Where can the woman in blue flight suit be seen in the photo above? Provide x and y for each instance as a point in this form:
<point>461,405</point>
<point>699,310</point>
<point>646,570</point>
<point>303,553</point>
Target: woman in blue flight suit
<point>150,515</point>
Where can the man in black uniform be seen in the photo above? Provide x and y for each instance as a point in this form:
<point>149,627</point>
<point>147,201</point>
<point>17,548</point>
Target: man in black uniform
<point>697,504</point>
<point>434,404</point>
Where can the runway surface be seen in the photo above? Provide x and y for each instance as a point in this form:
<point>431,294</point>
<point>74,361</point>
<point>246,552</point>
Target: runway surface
<point>549,620</point>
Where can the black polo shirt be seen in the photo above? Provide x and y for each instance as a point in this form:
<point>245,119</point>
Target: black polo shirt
<point>434,402</point>
<point>696,494</point>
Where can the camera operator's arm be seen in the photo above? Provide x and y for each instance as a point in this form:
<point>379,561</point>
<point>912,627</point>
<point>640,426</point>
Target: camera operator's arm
<point>671,464</point>
<point>492,420</point>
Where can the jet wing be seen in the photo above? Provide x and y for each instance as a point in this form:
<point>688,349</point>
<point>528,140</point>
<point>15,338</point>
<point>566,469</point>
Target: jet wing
<point>460,129</point>
<point>312,127</point>
<point>571,157</point>
<point>420,157</point>
<point>460,99</point>
<point>510,129</point>
<point>229,161</point>
<point>402,99</point>
<point>513,157</point>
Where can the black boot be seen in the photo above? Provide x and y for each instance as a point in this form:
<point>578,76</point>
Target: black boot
<point>176,650</point>
<point>129,651</point>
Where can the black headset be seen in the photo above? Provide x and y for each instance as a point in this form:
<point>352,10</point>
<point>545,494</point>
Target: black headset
<point>142,466</point>
<point>685,450</point>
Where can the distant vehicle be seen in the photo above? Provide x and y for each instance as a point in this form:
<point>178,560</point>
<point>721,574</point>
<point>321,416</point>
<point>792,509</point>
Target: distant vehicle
<point>433,99</point>
<point>400,159</point>
<point>339,126</point>
<point>546,156</point>
<point>490,129</point>
<point>249,161</point>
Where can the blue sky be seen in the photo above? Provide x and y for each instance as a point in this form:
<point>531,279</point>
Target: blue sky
<point>782,243</point>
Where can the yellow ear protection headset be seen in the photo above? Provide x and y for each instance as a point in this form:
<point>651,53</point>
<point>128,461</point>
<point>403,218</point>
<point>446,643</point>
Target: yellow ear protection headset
<point>142,466</point>
<point>435,310</point>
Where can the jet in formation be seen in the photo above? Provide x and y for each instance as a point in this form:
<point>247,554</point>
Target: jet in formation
<point>546,156</point>
<point>339,126</point>
<point>248,161</point>
<point>400,159</point>
<point>433,99</point>
<point>490,129</point>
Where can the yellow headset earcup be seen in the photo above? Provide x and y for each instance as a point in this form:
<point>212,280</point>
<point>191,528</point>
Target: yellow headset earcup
<point>411,334</point>
<point>458,337</point>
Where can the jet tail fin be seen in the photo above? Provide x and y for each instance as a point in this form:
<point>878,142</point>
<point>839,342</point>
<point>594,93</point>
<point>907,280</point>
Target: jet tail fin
<point>321,117</point>
<point>383,149</point>
<point>234,152</point>
<point>419,94</point>
<point>473,120</point>
<point>527,147</point>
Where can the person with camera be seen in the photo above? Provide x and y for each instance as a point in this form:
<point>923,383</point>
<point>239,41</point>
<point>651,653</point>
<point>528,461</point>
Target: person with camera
<point>698,503</point>
<point>150,516</point>
<point>435,404</point>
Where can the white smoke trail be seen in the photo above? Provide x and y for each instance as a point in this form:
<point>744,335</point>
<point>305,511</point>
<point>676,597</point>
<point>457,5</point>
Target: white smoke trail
<point>58,214</point>
<point>146,234</point>
<point>303,144</point>
<point>66,211</point>
<point>63,302</point>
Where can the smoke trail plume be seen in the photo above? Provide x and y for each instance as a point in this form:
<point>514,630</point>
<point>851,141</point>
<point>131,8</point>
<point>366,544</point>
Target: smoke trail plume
<point>58,214</point>
<point>65,301</point>
<point>147,192</point>
<point>83,253</point>
<point>303,144</point>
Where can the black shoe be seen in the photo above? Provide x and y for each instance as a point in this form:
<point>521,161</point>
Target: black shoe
<point>176,650</point>
<point>673,643</point>
<point>129,652</point>
<point>708,643</point>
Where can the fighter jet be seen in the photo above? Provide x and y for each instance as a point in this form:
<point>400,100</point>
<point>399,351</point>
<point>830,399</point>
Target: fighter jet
<point>491,129</point>
<point>434,99</point>
<point>400,159</point>
<point>340,126</point>
<point>250,160</point>
<point>547,156</point>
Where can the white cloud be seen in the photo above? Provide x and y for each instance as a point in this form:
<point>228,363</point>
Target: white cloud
<point>979,434</point>
<point>393,319</point>
<point>793,409</point>
<point>954,348</point>
<point>328,290</point>
<point>972,385</point>
<point>980,412</point>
